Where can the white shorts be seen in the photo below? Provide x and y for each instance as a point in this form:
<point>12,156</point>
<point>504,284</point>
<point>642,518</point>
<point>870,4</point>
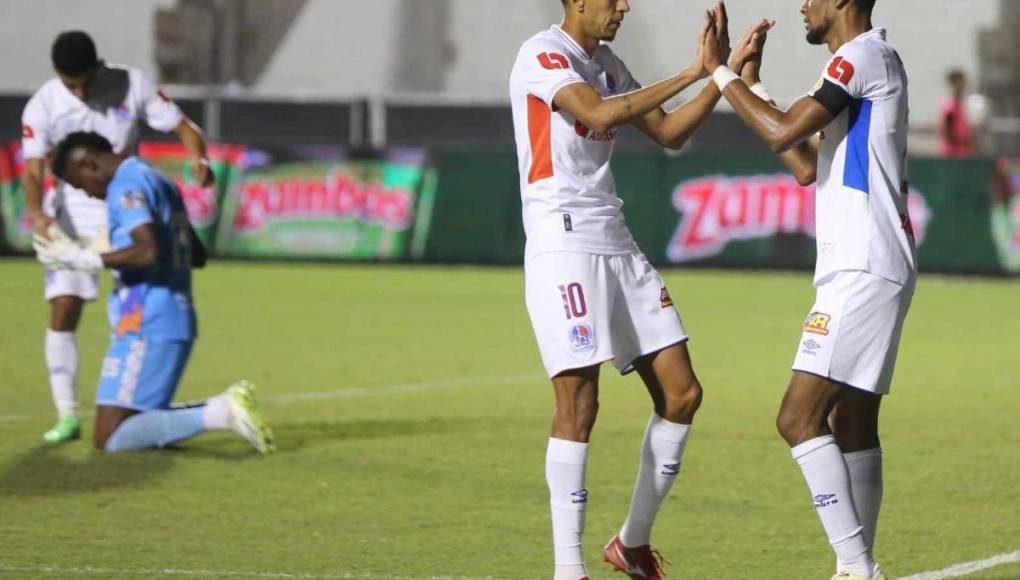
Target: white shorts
<point>587,309</point>
<point>852,334</point>
<point>84,285</point>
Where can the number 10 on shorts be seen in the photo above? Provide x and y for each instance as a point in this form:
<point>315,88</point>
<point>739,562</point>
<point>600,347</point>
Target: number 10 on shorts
<point>573,300</point>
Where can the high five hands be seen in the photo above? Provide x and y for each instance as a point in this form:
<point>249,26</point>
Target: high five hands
<point>715,49</point>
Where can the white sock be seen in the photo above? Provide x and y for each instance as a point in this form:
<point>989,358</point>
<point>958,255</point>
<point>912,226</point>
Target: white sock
<point>826,474</point>
<point>661,451</point>
<point>62,363</point>
<point>565,464</point>
<point>865,469</point>
<point>216,414</point>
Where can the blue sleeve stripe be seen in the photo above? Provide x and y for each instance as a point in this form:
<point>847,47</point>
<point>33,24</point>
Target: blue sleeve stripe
<point>855,170</point>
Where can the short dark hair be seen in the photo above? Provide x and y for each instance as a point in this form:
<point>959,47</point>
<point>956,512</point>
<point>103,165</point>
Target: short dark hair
<point>956,75</point>
<point>78,140</point>
<point>74,53</point>
<point>866,5</point>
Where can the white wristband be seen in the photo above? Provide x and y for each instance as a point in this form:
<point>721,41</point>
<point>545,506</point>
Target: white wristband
<point>723,76</point>
<point>762,92</point>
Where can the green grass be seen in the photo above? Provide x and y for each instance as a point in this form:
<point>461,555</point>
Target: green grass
<point>448,480</point>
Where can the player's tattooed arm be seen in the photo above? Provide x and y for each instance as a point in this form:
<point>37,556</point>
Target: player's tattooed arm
<point>601,114</point>
<point>142,252</point>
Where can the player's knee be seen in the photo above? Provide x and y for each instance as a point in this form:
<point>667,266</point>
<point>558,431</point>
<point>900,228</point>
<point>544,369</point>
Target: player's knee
<point>576,419</point>
<point>680,405</point>
<point>792,426</point>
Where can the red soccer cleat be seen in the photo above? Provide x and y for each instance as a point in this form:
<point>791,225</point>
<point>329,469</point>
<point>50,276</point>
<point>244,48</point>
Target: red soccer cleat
<point>641,563</point>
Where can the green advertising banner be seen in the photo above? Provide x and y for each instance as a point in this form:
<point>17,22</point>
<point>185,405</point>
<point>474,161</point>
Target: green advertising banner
<point>724,211</point>
<point>316,203</point>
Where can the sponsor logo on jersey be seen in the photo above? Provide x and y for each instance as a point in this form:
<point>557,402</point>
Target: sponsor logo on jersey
<point>579,496</point>
<point>664,298</point>
<point>553,61</point>
<point>717,210</point>
<point>597,136</point>
<point>27,132</point>
<point>670,469</point>
<point>817,323</point>
<point>132,200</point>
<point>825,499</point>
<point>122,113</point>
<point>582,337</point>
<point>841,70</point>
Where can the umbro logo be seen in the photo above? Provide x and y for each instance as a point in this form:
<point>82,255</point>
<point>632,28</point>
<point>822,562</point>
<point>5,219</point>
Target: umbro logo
<point>579,496</point>
<point>811,345</point>
<point>825,499</point>
<point>670,469</point>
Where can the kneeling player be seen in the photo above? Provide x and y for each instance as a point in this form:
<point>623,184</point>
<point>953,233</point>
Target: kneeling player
<point>154,248</point>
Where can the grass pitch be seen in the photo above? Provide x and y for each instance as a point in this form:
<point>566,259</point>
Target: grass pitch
<point>412,417</point>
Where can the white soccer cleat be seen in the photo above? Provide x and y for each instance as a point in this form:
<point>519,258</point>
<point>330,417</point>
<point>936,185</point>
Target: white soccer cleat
<point>848,576</point>
<point>246,418</point>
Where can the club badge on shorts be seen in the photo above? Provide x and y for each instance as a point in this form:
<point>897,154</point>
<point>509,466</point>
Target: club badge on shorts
<point>582,337</point>
<point>664,298</point>
<point>817,323</point>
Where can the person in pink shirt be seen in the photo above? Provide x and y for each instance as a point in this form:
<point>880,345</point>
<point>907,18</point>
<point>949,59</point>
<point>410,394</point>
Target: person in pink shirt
<point>956,137</point>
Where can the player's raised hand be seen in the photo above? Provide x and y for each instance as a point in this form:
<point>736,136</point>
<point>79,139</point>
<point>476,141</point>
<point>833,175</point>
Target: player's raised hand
<point>747,53</point>
<point>698,67</point>
<point>715,46</point>
<point>201,172</point>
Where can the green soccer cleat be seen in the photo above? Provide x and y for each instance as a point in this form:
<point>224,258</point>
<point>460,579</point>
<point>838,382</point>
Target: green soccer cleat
<point>247,419</point>
<point>67,429</point>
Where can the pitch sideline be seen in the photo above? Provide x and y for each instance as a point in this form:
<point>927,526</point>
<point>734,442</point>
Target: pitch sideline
<point>962,569</point>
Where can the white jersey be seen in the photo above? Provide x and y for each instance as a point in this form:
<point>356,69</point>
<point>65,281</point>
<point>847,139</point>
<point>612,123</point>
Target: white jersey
<point>567,190</point>
<point>121,98</point>
<point>862,221</point>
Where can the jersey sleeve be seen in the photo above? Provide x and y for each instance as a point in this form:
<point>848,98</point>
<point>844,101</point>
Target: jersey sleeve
<point>543,69</point>
<point>130,207</point>
<point>35,142</point>
<point>158,111</point>
<point>849,75</point>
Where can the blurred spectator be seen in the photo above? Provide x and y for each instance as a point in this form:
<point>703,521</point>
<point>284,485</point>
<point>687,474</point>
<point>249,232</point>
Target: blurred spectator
<point>956,135</point>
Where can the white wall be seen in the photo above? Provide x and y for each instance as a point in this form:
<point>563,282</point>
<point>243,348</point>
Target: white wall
<point>342,48</point>
<point>122,30</point>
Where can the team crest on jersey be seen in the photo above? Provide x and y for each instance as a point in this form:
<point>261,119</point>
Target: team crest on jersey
<point>664,298</point>
<point>132,200</point>
<point>582,337</point>
<point>122,113</point>
<point>817,323</point>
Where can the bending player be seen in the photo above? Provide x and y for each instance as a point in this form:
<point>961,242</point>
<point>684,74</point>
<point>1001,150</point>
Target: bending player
<point>590,292</point>
<point>153,251</point>
<point>86,95</point>
<point>850,135</point>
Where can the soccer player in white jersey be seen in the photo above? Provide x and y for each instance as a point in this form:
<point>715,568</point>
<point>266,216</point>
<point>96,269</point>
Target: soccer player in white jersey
<point>86,95</point>
<point>591,294</point>
<point>849,134</point>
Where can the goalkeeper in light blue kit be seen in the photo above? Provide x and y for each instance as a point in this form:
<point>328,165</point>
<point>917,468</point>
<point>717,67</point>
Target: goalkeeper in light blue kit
<point>154,322</point>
